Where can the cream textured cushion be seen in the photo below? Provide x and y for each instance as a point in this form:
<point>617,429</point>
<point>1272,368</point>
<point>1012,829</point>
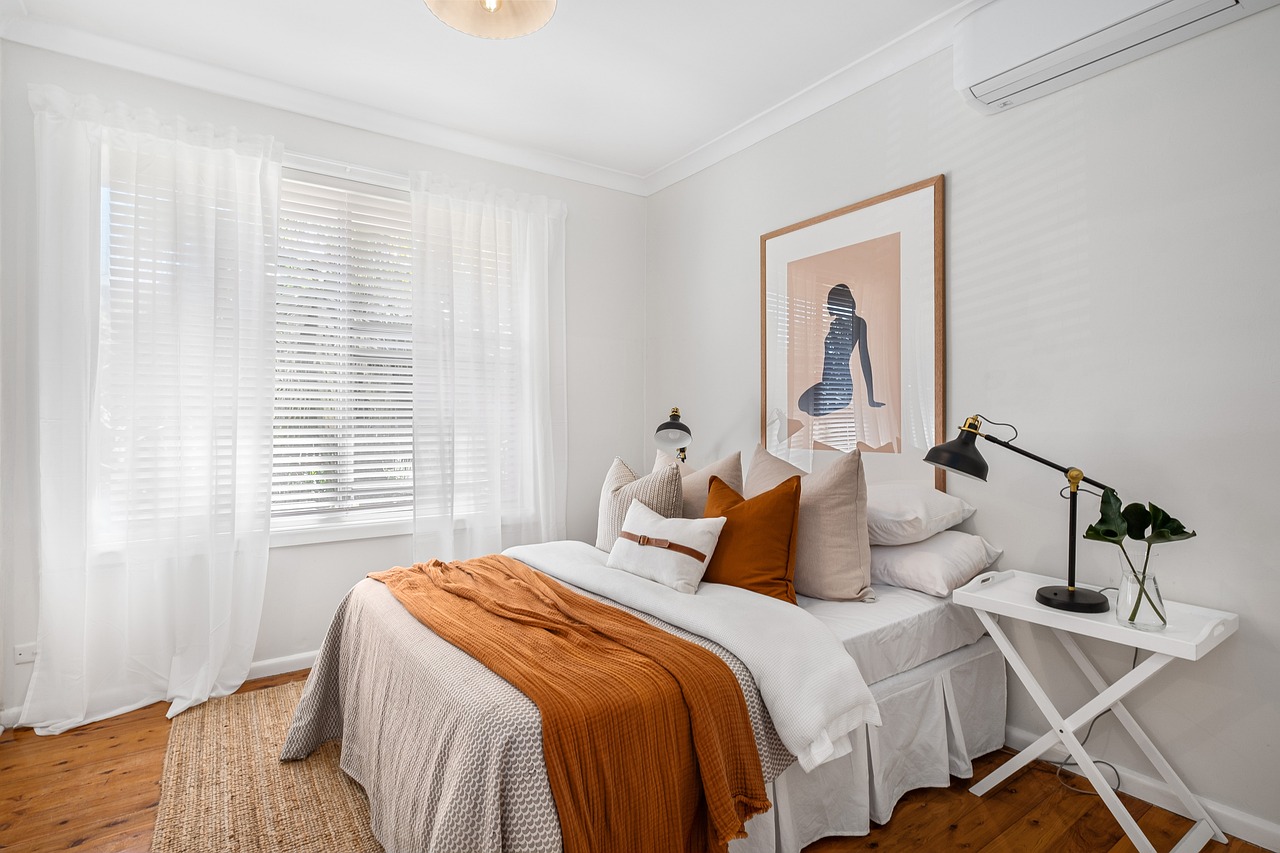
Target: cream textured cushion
<point>696,484</point>
<point>833,558</point>
<point>679,571</point>
<point>902,513</point>
<point>937,566</point>
<point>659,491</point>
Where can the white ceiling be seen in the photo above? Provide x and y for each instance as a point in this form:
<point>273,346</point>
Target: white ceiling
<point>633,95</point>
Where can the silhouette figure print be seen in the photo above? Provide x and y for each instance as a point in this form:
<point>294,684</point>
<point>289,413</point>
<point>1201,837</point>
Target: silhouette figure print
<point>847,331</point>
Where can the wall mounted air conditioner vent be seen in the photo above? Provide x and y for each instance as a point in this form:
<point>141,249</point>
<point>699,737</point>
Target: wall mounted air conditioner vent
<point>1013,51</point>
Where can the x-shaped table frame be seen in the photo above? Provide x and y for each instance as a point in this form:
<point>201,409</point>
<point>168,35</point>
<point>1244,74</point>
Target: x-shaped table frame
<point>1210,628</point>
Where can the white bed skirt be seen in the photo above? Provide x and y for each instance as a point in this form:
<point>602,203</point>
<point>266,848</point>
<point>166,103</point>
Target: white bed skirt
<point>937,718</point>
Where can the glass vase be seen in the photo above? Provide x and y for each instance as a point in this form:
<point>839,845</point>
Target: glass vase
<point>1138,601</point>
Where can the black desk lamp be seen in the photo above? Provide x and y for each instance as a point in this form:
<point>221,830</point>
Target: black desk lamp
<point>673,435</point>
<point>961,456</point>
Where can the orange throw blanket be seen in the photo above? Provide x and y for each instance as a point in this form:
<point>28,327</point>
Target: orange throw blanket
<point>646,738</point>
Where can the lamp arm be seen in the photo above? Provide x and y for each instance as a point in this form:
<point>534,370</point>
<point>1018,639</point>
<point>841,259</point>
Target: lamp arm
<point>1074,478</point>
<point>962,450</point>
<point>1054,465</point>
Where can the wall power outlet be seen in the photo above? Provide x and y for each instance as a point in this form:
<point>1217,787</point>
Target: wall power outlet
<point>24,653</point>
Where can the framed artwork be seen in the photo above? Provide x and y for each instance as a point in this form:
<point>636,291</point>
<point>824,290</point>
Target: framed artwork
<point>852,334</point>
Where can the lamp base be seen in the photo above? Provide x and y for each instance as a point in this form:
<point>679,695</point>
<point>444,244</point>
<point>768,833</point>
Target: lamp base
<point>1076,600</point>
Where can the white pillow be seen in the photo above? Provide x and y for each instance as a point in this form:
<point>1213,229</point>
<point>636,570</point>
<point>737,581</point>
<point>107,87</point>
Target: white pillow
<point>902,513</point>
<point>657,560</point>
<point>938,565</point>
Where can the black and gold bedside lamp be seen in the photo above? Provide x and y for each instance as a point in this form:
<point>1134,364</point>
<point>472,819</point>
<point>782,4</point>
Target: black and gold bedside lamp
<point>673,435</point>
<point>961,456</point>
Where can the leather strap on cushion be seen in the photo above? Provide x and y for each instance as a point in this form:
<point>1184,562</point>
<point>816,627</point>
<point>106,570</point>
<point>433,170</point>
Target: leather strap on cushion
<point>641,539</point>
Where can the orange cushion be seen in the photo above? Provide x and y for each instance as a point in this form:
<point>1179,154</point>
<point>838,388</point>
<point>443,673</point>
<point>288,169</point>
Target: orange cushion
<point>757,547</point>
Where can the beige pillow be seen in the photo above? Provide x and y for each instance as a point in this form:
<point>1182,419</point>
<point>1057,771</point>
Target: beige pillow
<point>659,491</point>
<point>697,484</point>
<point>833,554</point>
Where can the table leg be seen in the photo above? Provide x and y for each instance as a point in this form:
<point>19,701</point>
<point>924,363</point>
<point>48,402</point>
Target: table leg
<point>1065,731</point>
<point>1031,753</point>
<point>1141,738</point>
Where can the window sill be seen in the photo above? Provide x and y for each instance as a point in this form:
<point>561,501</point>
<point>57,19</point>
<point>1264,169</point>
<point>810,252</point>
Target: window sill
<point>314,535</point>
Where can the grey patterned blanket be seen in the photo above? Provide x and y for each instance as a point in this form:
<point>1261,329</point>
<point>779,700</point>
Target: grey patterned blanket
<point>449,754</point>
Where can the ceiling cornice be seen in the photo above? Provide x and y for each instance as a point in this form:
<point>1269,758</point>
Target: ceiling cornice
<point>18,26</point>
<point>925,40</point>
<point>247,87</point>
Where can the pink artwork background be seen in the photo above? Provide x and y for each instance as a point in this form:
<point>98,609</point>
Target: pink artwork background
<point>873,272</point>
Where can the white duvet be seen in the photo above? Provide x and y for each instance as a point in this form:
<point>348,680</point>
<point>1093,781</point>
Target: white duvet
<point>812,688</point>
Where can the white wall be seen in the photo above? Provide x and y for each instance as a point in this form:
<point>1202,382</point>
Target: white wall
<point>1112,257</point>
<point>605,308</point>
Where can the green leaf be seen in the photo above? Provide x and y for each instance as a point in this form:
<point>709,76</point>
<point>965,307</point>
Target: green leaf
<point>1110,526</point>
<point>1166,528</point>
<point>1138,519</point>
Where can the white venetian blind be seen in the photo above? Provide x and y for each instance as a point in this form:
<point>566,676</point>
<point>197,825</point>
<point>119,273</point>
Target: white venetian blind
<point>343,424</point>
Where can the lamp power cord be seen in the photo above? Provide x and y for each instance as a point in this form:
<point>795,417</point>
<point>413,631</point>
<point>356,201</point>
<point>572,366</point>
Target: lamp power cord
<point>1071,762</point>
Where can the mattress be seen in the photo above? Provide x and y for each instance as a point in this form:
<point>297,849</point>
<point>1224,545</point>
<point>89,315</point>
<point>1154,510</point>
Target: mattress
<point>898,631</point>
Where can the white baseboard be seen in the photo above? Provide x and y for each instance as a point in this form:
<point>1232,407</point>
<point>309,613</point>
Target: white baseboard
<point>258,669</point>
<point>1256,830</point>
<point>277,666</point>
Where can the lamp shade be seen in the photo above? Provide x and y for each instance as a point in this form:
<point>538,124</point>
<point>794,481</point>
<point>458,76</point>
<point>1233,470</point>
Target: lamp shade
<point>494,19</point>
<point>960,455</point>
<point>673,434</point>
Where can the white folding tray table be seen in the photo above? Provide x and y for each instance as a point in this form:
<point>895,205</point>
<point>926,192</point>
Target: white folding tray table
<point>1192,633</point>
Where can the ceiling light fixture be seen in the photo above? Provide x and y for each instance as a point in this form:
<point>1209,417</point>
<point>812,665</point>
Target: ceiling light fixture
<point>494,19</point>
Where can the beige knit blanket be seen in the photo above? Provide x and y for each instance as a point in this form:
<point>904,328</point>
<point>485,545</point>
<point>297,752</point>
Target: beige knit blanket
<point>647,741</point>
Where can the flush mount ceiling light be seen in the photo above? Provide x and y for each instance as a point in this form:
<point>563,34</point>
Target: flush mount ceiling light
<point>494,19</point>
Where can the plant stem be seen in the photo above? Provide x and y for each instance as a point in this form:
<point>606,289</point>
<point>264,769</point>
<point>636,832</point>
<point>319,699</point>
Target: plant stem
<point>1142,586</point>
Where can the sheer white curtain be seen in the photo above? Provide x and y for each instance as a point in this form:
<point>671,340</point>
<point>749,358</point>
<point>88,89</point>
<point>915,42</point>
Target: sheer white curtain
<point>156,248</point>
<point>488,347</point>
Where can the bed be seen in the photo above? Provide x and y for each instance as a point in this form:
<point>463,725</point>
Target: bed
<point>450,755</point>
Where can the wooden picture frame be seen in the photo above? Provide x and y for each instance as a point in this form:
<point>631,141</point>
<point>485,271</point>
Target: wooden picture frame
<point>853,334</point>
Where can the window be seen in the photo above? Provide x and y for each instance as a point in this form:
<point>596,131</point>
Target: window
<point>414,362</point>
<point>343,421</point>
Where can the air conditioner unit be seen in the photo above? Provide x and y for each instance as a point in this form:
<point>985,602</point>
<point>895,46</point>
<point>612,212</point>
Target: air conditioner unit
<point>1009,52</point>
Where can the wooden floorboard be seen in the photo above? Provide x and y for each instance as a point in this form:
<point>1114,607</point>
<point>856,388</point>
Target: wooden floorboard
<point>96,788</point>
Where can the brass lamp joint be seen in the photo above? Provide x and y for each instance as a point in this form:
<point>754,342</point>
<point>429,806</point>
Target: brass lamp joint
<point>971,424</point>
<point>1074,476</point>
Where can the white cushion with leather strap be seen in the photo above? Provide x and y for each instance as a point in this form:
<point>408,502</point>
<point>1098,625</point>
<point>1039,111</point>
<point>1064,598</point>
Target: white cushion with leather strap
<point>648,541</point>
<point>672,551</point>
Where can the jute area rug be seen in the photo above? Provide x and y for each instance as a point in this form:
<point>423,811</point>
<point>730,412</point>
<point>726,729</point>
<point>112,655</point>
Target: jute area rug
<point>225,789</point>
